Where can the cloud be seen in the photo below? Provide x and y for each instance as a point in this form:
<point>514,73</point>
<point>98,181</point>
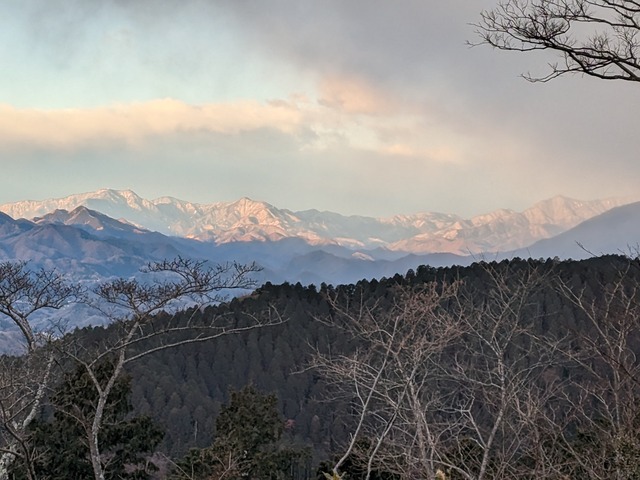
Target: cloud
<point>441,154</point>
<point>353,96</point>
<point>137,122</point>
<point>347,114</point>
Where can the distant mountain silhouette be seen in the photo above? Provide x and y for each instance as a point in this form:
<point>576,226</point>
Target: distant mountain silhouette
<point>615,231</point>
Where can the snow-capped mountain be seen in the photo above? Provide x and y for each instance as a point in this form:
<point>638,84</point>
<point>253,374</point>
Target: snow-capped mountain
<point>247,220</point>
<point>505,230</point>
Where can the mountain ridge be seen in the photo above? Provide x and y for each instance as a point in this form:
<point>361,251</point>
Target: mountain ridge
<point>247,220</point>
<point>102,247</point>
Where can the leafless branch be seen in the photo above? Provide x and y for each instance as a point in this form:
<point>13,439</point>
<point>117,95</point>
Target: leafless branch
<point>598,38</point>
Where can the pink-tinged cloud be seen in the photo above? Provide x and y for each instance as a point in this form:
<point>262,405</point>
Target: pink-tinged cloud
<point>354,96</point>
<point>134,123</point>
<point>346,112</point>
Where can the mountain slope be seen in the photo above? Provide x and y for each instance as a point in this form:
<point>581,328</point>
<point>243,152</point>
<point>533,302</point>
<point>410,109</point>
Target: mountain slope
<point>88,245</point>
<point>615,231</point>
<point>247,220</point>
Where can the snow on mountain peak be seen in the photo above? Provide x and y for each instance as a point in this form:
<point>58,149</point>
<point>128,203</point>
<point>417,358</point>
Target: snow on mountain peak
<point>247,220</point>
<point>567,212</point>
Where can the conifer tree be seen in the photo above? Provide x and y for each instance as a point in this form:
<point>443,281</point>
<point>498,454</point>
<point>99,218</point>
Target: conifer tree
<point>58,445</point>
<point>248,443</point>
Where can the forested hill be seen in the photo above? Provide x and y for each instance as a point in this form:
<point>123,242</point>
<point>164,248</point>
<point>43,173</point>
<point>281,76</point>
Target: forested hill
<point>521,367</point>
<point>184,388</point>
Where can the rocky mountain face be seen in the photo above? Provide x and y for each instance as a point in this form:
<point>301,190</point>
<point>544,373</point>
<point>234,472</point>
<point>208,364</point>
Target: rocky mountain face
<point>247,220</point>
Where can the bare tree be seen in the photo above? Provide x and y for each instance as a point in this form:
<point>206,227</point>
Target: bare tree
<point>449,380</point>
<point>498,371</point>
<point>606,413</point>
<point>138,328</point>
<point>389,372</point>
<point>24,293</point>
<point>598,38</point>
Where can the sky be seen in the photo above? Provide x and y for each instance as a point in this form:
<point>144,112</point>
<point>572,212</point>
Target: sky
<point>366,107</point>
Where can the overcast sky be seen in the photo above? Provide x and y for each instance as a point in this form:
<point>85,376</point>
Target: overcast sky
<point>360,107</point>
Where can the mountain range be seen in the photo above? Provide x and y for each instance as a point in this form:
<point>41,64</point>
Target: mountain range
<point>309,246</point>
<point>88,246</point>
<point>247,220</point>
<point>616,231</point>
